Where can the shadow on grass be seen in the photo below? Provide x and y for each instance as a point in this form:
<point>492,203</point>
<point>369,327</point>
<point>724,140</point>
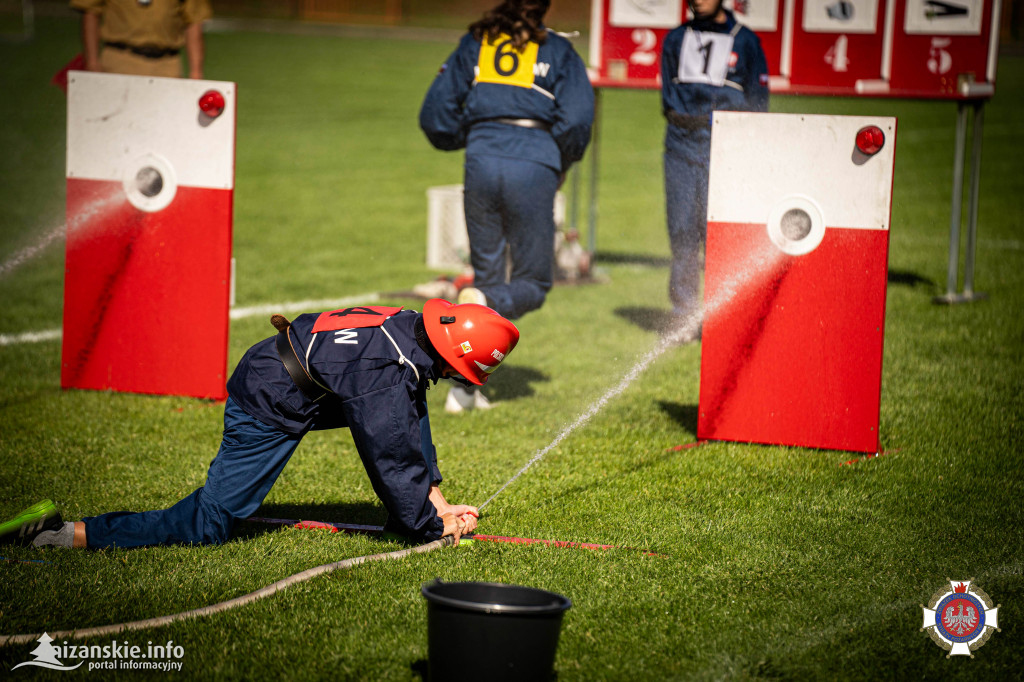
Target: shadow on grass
<point>909,279</point>
<point>646,317</point>
<point>608,258</point>
<point>684,415</point>
<point>514,382</point>
<point>361,513</point>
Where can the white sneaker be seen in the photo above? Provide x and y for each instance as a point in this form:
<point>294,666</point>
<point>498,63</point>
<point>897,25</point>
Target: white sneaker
<point>438,288</point>
<point>472,295</point>
<point>480,401</point>
<point>459,399</point>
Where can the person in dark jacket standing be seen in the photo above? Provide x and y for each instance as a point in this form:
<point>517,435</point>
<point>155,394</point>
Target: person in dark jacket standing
<point>517,97</point>
<point>708,64</point>
<point>365,368</point>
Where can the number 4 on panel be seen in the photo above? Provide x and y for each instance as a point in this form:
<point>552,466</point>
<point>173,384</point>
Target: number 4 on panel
<point>837,56</point>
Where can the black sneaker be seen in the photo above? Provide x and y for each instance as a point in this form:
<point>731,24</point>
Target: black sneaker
<point>23,528</point>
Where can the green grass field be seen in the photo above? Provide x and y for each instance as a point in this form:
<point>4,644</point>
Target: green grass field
<point>774,562</point>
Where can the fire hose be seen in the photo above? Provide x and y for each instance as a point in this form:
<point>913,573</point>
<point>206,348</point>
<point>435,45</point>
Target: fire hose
<point>219,607</point>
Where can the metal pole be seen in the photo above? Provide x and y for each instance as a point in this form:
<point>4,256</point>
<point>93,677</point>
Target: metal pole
<point>574,208</point>
<point>957,209</point>
<point>592,209</point>
<point>972,205</point>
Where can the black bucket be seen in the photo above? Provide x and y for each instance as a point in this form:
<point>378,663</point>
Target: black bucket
<point>490,631</point>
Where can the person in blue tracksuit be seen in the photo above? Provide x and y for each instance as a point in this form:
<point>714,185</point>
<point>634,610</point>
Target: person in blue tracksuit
<point>709,63</point>
<point>517,97</point>
<point>364,368</point>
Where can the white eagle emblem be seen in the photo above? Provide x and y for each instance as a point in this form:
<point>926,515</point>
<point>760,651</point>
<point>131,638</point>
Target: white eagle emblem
<point>960,622</point>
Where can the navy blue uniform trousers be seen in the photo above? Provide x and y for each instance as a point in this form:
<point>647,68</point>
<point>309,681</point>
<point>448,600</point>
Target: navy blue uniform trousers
<point>686,193</point>
<point>251,457</point>
<point>509,202</point>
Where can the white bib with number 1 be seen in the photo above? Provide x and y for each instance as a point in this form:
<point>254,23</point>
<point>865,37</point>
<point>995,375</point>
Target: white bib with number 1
<point>704,57</point>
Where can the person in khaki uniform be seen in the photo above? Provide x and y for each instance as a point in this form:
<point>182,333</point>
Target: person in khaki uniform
<point>143,37</point>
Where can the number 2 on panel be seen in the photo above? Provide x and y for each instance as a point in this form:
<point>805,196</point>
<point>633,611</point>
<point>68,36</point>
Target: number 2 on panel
<point>645,42</point>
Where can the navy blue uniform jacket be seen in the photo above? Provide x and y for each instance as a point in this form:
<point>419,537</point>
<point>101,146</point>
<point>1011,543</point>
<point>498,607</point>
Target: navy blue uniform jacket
<point>745,89</point>
<point>377,396</point>
<point>456,108</point>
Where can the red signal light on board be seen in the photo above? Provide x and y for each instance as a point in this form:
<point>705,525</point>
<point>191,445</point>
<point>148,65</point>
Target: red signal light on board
<point>870,140</point>
<point>211,103</point>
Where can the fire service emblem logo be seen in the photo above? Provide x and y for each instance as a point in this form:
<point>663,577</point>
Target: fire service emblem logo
<point>960,618</point>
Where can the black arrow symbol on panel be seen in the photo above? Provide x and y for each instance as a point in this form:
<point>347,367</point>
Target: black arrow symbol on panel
<point>938,9</point>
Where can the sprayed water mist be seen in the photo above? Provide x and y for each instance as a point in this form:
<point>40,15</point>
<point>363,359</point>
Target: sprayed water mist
<point>748,273</point>
<point>95,208</point>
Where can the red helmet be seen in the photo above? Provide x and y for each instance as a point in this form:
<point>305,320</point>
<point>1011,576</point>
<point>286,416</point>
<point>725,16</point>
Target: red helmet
<point>472,338</point>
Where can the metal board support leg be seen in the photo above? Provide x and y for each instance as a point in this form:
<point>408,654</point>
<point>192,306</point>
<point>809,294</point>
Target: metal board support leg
<point>574,209</point>
<point>956,214</point>
<point>594,146</point>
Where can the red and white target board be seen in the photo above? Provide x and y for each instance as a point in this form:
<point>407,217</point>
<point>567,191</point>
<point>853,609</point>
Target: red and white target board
<point>795,279</point>
<point>150,185</point>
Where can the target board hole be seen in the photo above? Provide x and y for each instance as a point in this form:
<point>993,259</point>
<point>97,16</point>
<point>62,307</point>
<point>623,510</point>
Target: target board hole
<point>149,182</point>
<point>795,224</point>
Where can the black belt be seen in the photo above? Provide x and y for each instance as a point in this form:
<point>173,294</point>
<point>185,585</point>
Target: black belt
<point>296,371</point>
<point>521,122</point>
<point>687,122</point>
<point>147,51</point>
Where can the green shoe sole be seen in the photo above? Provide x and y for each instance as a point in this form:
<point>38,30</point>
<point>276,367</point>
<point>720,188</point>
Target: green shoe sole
<point>40,511</point>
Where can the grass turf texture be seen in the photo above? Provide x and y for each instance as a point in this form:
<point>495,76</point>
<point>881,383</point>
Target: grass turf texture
<point>780,562</point>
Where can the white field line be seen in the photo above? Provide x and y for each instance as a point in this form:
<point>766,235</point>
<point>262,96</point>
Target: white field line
<point>313,305</point>
<point>30,337</point>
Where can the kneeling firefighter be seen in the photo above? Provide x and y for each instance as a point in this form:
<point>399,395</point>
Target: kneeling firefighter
<point>365,368</point>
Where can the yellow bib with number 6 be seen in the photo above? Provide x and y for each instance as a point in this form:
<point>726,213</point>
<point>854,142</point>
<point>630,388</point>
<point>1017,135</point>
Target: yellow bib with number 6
<point>502,63</point>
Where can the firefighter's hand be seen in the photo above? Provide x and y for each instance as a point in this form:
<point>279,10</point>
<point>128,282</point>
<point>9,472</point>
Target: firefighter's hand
<point>459,525</point>
<point>464,511</point>
<point>453,526</point>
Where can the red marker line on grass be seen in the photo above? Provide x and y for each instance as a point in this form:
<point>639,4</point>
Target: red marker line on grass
<point>320,525</point>
<point>686,446</point>
<point>335,527</point>
<point>555,543</point>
